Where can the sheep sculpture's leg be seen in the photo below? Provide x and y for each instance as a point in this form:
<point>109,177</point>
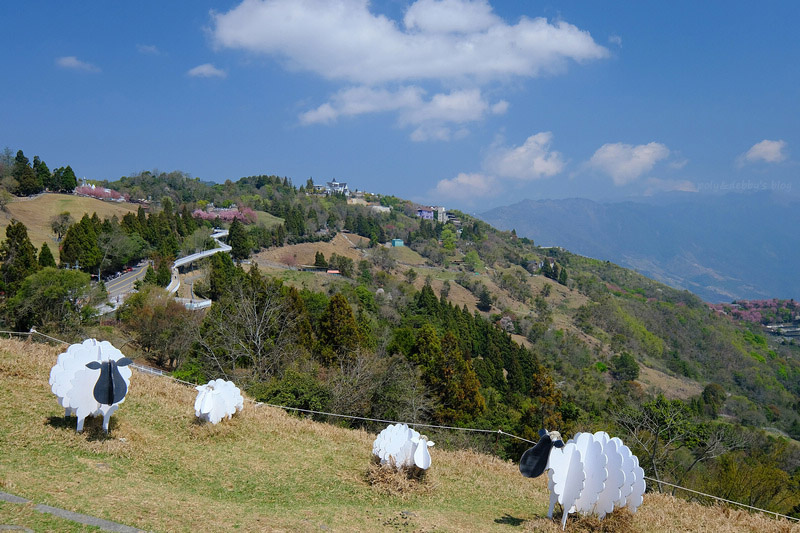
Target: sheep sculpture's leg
<point>106,419</point>
<point>80,424</point>
<point>553,501</point>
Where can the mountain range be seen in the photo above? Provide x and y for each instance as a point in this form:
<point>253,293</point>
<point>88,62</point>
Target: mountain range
<point>722,247</point>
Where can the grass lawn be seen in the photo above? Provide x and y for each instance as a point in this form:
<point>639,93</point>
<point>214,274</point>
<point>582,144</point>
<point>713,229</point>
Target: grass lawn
<point>268,220</point>
<point>264,470</point>
<point>36,214</point>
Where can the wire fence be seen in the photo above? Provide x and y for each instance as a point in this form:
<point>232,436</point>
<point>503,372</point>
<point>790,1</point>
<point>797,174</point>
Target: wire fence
<point>161,373</point>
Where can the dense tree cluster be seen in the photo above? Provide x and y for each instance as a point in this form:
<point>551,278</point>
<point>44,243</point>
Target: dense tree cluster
<point>22,177</point>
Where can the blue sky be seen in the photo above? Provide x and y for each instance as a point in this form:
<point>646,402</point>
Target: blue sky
<point>469,104</point>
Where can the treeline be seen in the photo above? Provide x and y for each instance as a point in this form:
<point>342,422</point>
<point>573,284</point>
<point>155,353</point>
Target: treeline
<point>19,176</point>
<point>411,356</point>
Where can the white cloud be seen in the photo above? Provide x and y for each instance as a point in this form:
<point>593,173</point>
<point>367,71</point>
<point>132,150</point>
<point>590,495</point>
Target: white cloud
<point>458,44</point>
<point>432,118</point>
<point>766,151</point>
<point>467,187</point>
<point>626,163</point>
<point>72,62</point>
<point>500,108</point>
<point>148,49</point>
<point>456,107</point>
<point>207,70</point>
<point>360,100</point>
<point>439,40</point>
<point>615,40</point>
<point>532,160</point>
<point>450,16</point>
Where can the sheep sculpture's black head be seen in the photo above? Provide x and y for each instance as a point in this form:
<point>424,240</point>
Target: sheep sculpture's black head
<point>534,460</point>
<point>110,387</point>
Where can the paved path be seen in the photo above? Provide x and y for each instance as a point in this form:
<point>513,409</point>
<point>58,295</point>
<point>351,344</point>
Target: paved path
<point>105,525</point>
<point>119,287</point>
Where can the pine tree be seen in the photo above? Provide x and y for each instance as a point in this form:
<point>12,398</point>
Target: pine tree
<point>319,260</point>
<point>43,174</point>
<point>562,276</point>
<point>18,256</point>
<point>238,241</point>
<point>25,176</point>
<point>222,276</point>
<point>485,301</point>
<point>163,273</point>
<point>80,246</point>
<point>339,335</point>
<point>68,180</point>
<point>46,257</point>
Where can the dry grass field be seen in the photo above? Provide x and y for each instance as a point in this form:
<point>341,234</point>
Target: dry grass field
<point>303,254</point>
<point>36,214</point>
<point>264,470</point>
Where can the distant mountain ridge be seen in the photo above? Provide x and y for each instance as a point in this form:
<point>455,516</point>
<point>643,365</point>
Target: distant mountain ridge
<point>720,247</point>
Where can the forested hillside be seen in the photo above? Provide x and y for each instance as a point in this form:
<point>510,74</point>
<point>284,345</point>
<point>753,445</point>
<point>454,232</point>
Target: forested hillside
<point>721,247</point>
<point>472,327</point>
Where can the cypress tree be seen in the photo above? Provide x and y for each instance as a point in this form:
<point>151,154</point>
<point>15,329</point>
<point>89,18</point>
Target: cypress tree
<point>68,180</point>
<point>46,257</point>
<point>18,256</point>
<point>339,332</point>
<point>238,241</point>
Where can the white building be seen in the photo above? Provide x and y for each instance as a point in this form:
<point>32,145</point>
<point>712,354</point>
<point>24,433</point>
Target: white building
<point>338,187</point>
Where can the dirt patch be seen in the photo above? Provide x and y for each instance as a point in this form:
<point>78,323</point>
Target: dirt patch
<point>672,387</point>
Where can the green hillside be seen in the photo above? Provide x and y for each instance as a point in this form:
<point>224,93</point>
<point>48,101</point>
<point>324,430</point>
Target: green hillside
<point>465,326</point>
<point>263,470</point>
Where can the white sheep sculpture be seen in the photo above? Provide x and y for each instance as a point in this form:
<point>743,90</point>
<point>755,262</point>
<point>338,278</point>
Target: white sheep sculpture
<point>91,379</point>
<point>216,400</point>
<point>400,446</point>
<point>591,474</point>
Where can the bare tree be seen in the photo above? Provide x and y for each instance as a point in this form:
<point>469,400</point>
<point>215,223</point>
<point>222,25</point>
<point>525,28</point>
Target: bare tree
<point>250,333</point>
<point>355,382</point>
<point>658,428</point>
<point>713,439</point>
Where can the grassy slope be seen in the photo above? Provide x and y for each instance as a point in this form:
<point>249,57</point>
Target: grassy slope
<point>261,471</point>
<point>267,219</point>
<point>36,214</point>
<point>563,301</point>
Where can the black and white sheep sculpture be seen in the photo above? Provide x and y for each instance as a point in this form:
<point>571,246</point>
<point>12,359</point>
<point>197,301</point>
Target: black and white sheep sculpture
<point>591,474</point>
<point>400,446</point>
<point>216,400</point>
<point>91,379</point>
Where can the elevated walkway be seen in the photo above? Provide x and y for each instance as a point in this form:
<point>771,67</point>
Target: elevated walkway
<point>175,282</point>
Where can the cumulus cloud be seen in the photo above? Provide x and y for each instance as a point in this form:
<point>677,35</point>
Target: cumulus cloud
<point>360,100</point>
<point>626,163</point>
<point>206,70</point>
<point>765,151</point>
<point>450,16</point>
<point>73,63</point>
<point>532,160</point>
<point>459,44</point>
<point>467,187</point>
<point>432,117</point>
<point>447,39</point>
